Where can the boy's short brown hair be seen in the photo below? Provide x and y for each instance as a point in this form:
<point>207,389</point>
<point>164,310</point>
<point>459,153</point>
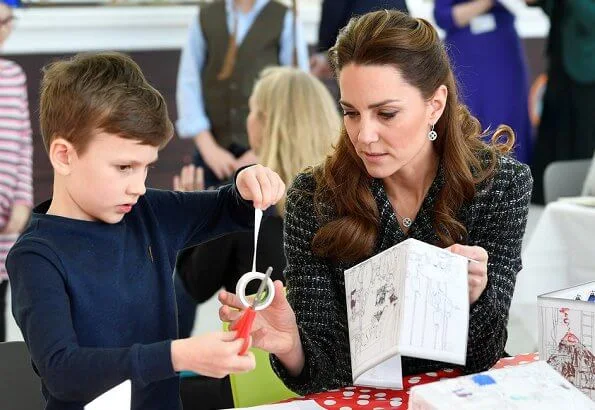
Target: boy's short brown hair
<point>101,92</point>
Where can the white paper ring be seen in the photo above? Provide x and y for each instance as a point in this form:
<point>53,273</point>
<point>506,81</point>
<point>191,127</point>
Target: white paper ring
<point>241,289</point>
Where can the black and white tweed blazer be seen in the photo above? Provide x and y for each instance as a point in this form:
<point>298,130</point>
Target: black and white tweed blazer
<point>495,220</point>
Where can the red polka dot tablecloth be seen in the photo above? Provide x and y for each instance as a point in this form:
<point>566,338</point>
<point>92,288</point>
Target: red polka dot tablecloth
<point>355,398</point>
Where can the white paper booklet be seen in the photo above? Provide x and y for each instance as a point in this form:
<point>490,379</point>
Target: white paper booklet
<point>524,387</point>
<point>411,300</point>
<point>117,398</point>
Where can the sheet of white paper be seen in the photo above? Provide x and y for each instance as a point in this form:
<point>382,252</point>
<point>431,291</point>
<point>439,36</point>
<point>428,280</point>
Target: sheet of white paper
<point>293,405</point>
<point>436,304</point>
<point>525,387</point>
<point>117,398</point>
<point>387,374</point>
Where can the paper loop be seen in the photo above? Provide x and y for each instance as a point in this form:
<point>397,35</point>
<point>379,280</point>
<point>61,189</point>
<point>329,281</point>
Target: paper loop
<point>241,289</point>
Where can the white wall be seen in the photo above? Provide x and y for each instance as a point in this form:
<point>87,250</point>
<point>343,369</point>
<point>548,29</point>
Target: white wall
<point>73,29</point>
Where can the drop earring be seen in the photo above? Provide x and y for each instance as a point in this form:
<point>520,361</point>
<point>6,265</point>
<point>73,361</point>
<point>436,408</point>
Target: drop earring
<point>432,135</point>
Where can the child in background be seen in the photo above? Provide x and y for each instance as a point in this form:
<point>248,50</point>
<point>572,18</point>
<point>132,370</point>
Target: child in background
<point>16,191</point>
<point>91,275</point>
<point>292,124</point>
<point>214,85</point>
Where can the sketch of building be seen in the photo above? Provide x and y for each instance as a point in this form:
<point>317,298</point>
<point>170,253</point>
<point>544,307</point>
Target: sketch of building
<point>566,343</point>
<point>434,300</point>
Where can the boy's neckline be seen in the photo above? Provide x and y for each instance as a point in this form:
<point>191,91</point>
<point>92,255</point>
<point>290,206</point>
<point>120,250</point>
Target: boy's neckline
<point>42,209</point>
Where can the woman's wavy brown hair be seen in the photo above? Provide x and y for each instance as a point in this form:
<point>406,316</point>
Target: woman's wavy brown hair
<point>414,48</point>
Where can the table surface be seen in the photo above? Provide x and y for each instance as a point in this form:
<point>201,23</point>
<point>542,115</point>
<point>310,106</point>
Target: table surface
<point>353,398</point>
<point>558,255</point>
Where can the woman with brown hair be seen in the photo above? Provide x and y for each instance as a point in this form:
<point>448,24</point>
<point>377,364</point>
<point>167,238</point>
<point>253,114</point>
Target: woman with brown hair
<point>410,163</point>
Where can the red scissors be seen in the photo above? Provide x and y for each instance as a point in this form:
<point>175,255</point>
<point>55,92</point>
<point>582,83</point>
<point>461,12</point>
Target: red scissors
<point>244,325</point>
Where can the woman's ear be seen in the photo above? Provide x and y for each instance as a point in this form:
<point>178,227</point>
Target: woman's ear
<point>437,104</point>
<point>61,155</point>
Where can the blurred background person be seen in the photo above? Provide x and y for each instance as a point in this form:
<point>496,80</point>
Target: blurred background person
<point>489,63</point>
<point>16,191</point>
<point>566,130</point>
<point>214,85</point>
<point>334,16</point>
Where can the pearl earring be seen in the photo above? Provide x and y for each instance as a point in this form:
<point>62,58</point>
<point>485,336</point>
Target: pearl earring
<point>432,135</point>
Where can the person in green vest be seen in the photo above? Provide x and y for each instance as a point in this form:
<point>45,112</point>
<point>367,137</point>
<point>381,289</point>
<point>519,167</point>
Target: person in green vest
<point>228,45</point>
<point>566,130</point>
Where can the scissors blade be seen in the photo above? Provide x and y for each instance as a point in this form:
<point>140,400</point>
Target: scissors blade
<point>263,285</point>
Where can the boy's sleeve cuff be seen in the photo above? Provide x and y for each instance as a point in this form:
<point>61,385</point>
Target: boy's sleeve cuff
<point>154,362</point>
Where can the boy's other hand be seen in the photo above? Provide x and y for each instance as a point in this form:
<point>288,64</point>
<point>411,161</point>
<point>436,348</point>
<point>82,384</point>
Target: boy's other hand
<point>221,161</point>
<point>261,185</point>
<point>191,178</point>
<point>213,354</point>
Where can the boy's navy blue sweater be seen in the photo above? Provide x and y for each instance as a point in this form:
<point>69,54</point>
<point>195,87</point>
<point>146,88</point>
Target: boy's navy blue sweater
<point>95,301</point>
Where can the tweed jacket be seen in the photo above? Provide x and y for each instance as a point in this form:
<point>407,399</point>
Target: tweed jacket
<point>495,220</point>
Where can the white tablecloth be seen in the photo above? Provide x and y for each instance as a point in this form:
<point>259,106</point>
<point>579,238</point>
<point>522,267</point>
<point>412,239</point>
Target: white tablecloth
<point>559,254</point>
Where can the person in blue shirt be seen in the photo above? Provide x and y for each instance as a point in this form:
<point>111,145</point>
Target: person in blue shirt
<point>214,85</point>
<point>91,276</point>
<point>489,62</point>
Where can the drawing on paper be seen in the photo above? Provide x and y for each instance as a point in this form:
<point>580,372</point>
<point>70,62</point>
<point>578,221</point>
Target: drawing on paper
<point>433,308</point>
<point>567,341</point>
<point>412,295</point>
<point>373,304</point>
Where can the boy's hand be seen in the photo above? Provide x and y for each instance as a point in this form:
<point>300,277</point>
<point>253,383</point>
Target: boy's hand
<point>213,354</point>
<point>260,185</point>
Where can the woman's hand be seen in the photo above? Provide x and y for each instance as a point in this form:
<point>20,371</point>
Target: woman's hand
<point>478,268</point>
<point>274,330</point>
<point>260,185</point>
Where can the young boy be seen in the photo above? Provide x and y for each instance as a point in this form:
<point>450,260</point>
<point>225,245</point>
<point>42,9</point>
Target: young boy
<point>92,274</point>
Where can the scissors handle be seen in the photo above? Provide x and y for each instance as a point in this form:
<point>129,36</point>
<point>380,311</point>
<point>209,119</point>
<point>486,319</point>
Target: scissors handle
<point>244,327</point>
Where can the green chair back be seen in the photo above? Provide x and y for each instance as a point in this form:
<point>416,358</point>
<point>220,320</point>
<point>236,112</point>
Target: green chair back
<point>260,386</point>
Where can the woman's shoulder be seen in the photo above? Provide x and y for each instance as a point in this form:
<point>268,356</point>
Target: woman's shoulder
<point>304,181</point>
<point>300,194</point>
<point>305,203</point>
<point>510,177</point>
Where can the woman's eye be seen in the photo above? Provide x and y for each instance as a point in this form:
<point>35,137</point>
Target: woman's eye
<point>350,114</point>
<point>388,115</point>
<point>124,168</point>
